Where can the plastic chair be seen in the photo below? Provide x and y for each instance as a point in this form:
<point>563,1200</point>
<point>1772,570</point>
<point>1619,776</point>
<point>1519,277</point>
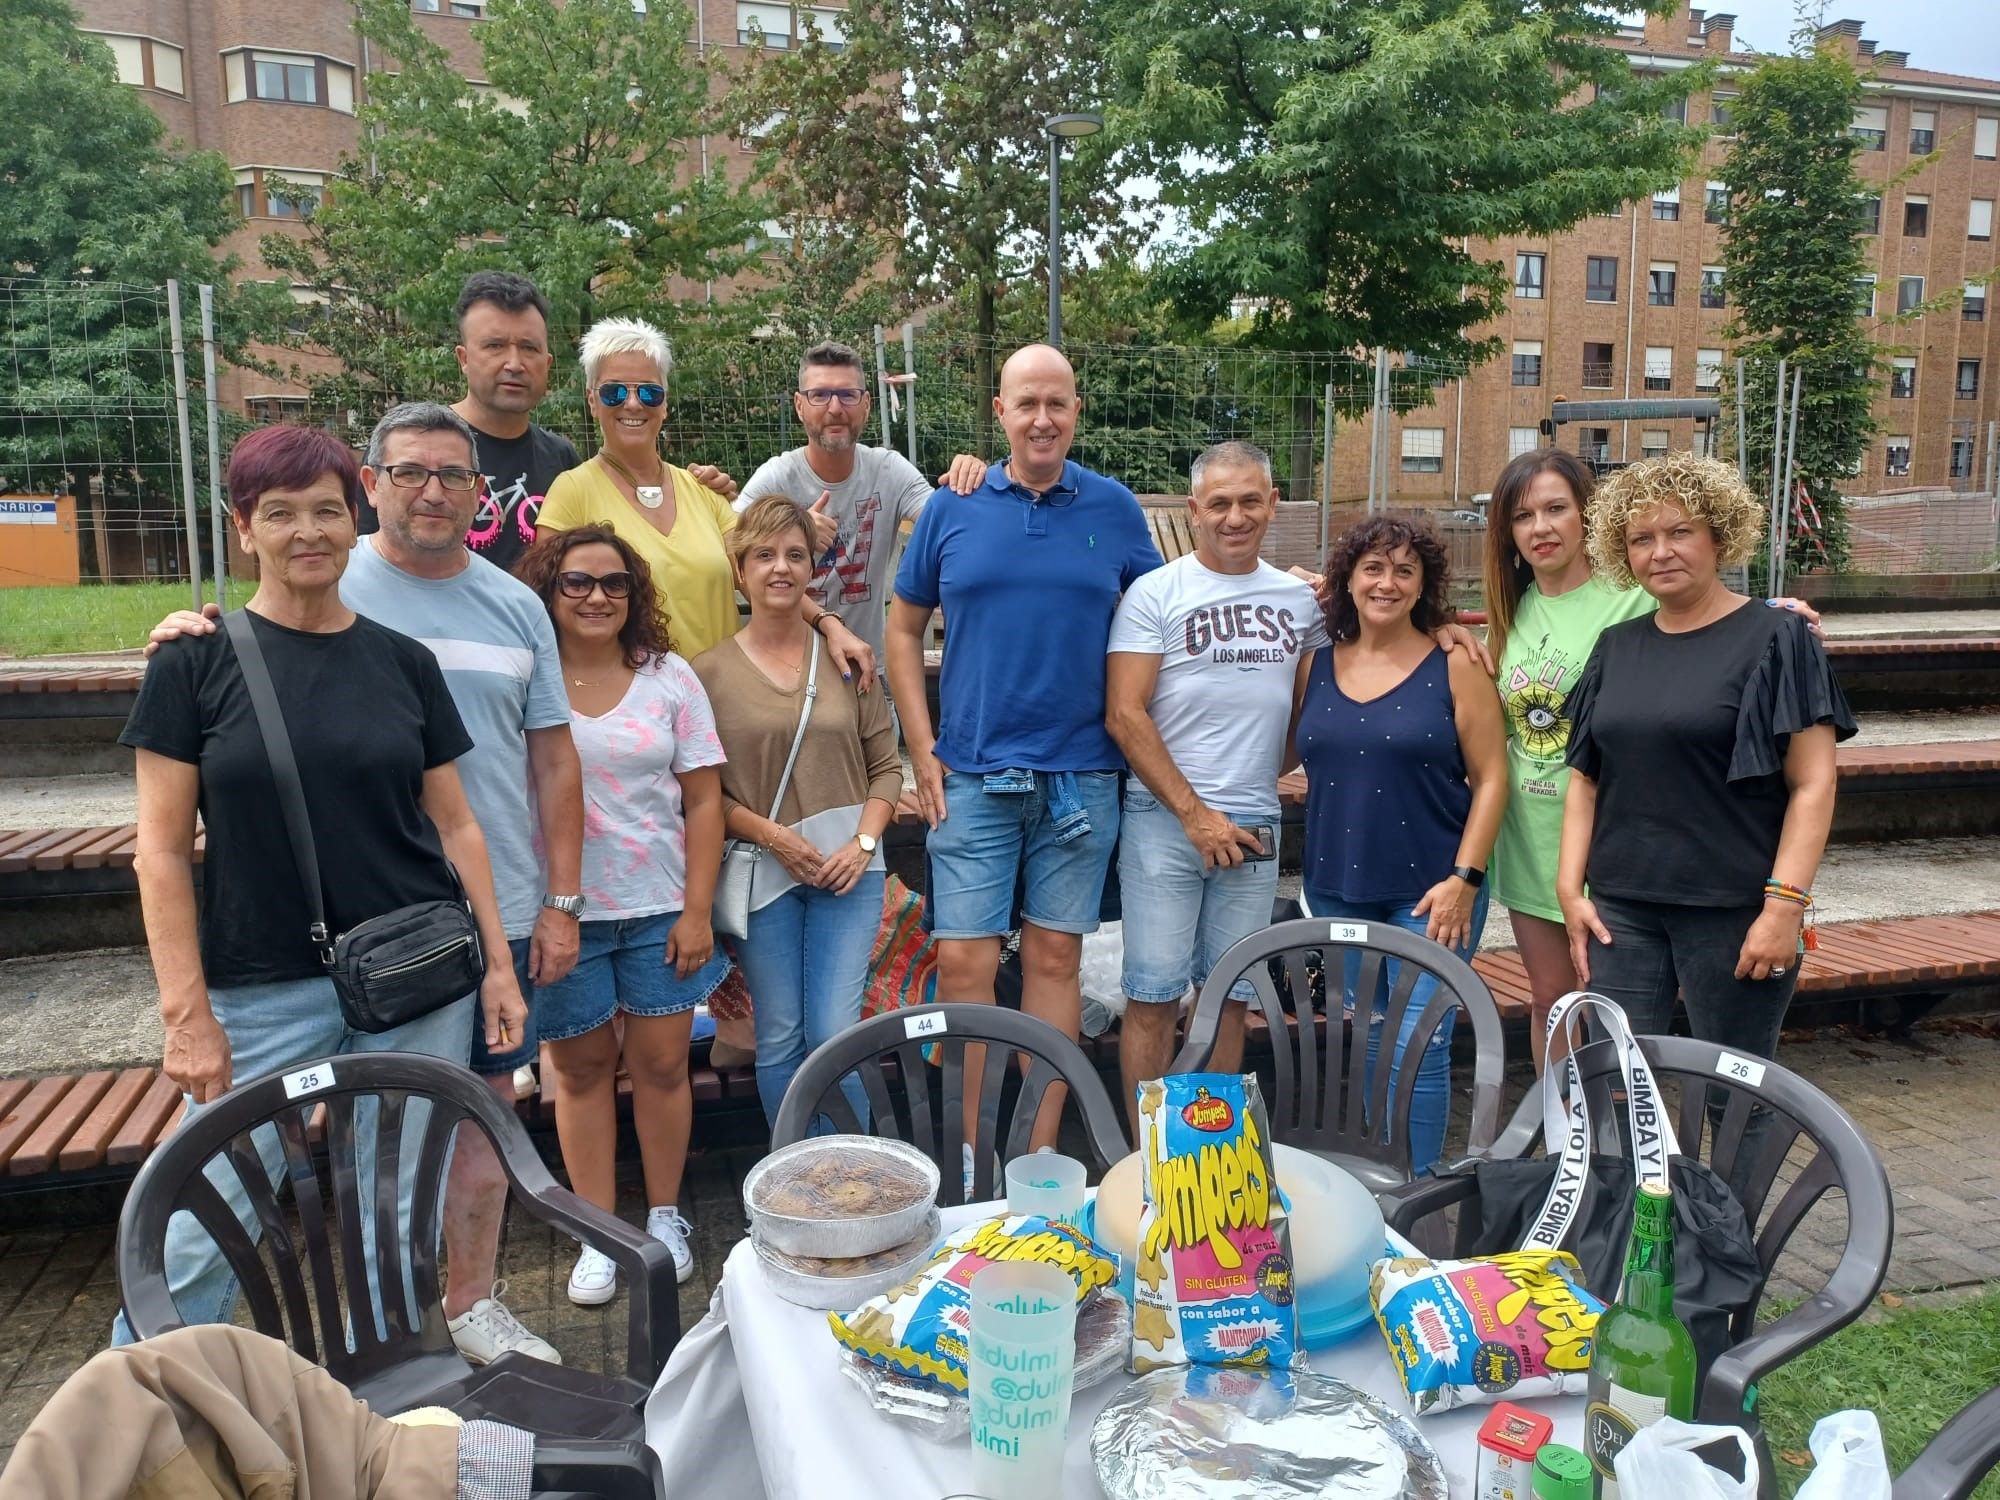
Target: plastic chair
<point>1831,1155</point>
<point>932,1118</point>
<point>1358,1125</point>
<point>309,1288</point>
<point>1965,1450</point>
<point>597,1471</point>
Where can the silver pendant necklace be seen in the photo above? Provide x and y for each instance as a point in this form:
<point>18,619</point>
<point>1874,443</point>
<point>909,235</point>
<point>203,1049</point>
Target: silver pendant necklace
<point>652,496</point>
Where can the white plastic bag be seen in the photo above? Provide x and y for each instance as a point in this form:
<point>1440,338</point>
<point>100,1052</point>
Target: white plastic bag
<point>1101,977</point>
<point>1660,1463</point>
<point>1849,1461</point>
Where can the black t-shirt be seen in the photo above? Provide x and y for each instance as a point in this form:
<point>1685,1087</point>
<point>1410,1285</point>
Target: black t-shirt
<point>368,713</point>
<point>1685,736</point>
<point>519,471</point>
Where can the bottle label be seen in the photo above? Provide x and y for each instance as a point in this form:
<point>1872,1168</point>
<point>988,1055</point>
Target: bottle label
<point>1609,1424</point>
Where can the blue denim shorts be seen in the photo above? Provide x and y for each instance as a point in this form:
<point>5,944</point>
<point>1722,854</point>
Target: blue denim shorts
<point>494,1064</point>
<point>989,840</point>
<point>621,965</point>
<point>1180,918</point>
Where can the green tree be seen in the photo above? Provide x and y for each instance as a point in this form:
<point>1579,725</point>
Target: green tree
<point>1793,256</point>
<point>575,162</point>
<point>99,212</point>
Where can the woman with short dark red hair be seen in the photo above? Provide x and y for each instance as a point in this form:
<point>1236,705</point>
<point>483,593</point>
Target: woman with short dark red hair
<point>243,991</point>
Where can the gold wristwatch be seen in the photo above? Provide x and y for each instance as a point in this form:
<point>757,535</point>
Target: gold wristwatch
<point>868,842</point>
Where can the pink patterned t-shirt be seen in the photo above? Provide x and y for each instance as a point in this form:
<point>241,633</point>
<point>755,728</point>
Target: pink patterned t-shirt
<point>634,835</point>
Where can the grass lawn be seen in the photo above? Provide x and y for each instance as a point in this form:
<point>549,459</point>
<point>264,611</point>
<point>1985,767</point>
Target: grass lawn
<point>88,617</point>
<point>1913,1366</point>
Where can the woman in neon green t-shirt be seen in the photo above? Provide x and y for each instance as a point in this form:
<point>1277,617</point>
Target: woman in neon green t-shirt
<point>1545,612</point>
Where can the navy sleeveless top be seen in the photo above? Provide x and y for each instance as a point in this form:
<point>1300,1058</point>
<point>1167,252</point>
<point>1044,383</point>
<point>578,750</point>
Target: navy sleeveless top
<point>1386,794</point>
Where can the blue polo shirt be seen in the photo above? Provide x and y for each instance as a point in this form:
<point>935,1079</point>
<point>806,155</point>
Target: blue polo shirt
<point>1028,588</point>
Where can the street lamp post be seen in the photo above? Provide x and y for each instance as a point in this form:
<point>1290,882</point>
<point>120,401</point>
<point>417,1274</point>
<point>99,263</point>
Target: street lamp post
<point>1059,129</point>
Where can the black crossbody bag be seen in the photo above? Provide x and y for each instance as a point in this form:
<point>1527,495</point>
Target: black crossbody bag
<point>389,969</point>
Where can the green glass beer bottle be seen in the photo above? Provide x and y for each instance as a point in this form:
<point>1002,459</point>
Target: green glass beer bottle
<point>1642,1364</point>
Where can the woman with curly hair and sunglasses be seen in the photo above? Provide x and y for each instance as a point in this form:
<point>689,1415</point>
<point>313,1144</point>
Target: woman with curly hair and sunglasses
<point>1701,767</point>
<point>652,844</point>
<point>1405,754</point>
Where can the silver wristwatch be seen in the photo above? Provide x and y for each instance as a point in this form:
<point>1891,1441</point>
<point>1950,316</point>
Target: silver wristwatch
<point>569,906</point>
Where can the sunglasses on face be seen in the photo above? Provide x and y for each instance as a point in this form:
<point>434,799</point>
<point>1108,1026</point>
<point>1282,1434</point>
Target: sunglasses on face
<point>416,476</point>
<point>614,392</point>
<point>846,395</point>
<point>577,585</point>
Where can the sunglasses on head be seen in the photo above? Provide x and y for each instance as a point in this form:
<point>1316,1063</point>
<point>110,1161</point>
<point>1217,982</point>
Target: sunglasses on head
<point>614,392</point>
<point>579,585</point>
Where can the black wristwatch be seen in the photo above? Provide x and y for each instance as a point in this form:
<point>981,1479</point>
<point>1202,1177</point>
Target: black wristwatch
<point>1472,877</point>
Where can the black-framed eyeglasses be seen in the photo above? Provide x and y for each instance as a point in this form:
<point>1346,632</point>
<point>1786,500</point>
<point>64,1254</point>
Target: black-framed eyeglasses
<point>579,585</point>
<point>416,476</point>
<point>846,395</point>
<point>614,392</point>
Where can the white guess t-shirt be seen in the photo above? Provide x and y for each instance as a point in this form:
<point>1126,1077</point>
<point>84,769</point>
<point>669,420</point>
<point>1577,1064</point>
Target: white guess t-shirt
<point>1229,646</point>
<point>634,835</point>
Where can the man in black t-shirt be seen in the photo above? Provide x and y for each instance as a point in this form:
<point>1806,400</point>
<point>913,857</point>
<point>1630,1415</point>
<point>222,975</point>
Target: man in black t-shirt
<point>503,348</point>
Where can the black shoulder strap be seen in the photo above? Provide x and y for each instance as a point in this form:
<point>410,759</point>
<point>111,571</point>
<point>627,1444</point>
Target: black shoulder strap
<point>284,769</point>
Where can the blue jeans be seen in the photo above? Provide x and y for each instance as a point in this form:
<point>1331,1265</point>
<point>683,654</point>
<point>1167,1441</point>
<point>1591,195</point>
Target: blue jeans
<point>805,963</point>
<point>990,840</point>
<point>274,1026</point>
<point>1430,1100</point>
<point>502,1064</point>
<point>1179,917</point>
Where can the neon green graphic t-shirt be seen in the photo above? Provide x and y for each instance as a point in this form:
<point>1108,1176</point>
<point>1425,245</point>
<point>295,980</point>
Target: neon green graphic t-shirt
<point>1546,650</point>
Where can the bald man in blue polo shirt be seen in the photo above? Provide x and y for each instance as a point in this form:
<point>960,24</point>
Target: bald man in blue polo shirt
<point>1020,776</point>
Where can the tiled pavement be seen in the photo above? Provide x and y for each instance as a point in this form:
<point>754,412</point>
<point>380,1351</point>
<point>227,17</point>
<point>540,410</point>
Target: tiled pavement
<point>1928,1102</point>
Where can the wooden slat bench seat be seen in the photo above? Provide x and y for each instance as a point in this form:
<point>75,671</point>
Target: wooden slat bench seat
<point>111,679</point>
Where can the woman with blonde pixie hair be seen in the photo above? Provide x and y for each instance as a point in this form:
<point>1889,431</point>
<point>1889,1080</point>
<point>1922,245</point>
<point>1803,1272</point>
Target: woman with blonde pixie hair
<point>1702,770</point>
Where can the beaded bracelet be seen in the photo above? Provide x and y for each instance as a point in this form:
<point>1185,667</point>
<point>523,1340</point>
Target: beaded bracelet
<point>1779,890</point>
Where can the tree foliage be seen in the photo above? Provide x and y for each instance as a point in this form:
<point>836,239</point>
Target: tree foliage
<point>1793,256</point>
<point>1329,158</point>
<point>577,163</point>
<point>99,213</point>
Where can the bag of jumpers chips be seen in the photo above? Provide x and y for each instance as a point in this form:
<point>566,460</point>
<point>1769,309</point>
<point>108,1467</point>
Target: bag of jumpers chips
<point>1466,1331</point>
<point>1214,1283</point>
<point>923,1327</point>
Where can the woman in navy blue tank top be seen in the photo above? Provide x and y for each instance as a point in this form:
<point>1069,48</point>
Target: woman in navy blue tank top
<point>1405,753</point>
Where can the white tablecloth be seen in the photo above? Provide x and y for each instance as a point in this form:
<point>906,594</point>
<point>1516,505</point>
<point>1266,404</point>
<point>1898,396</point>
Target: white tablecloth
<point>752,1402</point>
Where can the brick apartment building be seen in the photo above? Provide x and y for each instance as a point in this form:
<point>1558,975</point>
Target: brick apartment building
<point>1620,306</point>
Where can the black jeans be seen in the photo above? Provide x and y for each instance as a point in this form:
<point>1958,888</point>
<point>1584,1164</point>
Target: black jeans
<point>1657,950</point>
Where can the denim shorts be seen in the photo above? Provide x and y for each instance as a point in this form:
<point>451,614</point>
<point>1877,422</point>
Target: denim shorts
<point>1180,918</point>
<point>989,840</point>
<point>494,1064</point>
<point>621,965</point>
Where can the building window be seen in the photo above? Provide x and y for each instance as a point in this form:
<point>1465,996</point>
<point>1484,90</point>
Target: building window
<point>1423,450</point>
<point>1527,362</point>
<point>1712,294</point>
<point>1675,110</point>
<point>1660,279</point>
<point>1897,464</point>
<point>1716,209</point>
<point>1597,362</point>
<point>1968,380</point>
<point>145,63</point>
<point>1659,367</point>
<point>774,22</point>
<point>1916,217</point>
<point>1871,213</point>
<point>1864,296</point>
<point>1979,219</point>
<point>1652,443</point>
<point>1974,306</point>
<point>1600,283</point>
<point>1721,116</point>
<point>288,78</point>
<point>1909,293</point>
<point>1871,128</point>
<point>269,193</point>
<point>1961,458</point>
<point>1528,270</point>
<point>1667,203</point>
<point>830,26</point>
<point>1708,369</point>
<point>1522,440</point>
<point>1986,137</point>
<point>1593,445</point>
<point>1923,131</point>
<point>471,10</point>
<point>267,410</point>
<point>1903,379</point>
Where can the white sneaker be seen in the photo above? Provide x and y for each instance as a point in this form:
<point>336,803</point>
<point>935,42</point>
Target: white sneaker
<point>595,1279</point>
<point>668,1227</point>
<point>489,1330</point>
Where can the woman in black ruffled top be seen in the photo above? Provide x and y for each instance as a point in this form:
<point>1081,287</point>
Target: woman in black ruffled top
<point>1702,749</point>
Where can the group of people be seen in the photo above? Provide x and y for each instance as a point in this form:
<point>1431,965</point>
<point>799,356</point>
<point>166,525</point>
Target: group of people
<point>580,720</point>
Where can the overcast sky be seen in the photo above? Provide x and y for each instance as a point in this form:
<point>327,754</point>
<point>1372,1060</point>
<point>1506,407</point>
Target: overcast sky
<point>1945,36</point>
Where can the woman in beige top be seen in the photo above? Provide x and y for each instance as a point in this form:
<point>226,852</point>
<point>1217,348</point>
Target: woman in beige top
<point>816,902</point>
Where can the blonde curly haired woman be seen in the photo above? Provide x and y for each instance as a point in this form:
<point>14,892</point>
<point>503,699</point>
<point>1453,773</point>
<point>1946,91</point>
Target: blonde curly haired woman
<point>1702,771</point>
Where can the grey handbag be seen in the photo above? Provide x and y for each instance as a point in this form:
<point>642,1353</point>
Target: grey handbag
<point>731,912</point>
